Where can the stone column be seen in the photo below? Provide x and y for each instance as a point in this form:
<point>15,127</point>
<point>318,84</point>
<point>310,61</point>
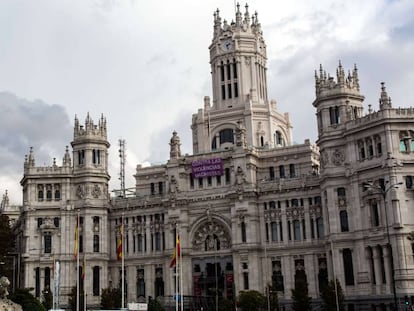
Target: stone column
<point>377,265</point>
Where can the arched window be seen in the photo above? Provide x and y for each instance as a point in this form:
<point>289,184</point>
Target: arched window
<point>226,136</point>
<point>279,141</point>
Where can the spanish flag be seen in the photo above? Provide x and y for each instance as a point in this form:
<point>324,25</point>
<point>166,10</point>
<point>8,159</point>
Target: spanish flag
<point>119,253</point>
<point>76,247</point>
<point>177,251</point>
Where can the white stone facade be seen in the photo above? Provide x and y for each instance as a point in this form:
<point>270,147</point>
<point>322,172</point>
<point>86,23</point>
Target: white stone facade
<point>275,212</point>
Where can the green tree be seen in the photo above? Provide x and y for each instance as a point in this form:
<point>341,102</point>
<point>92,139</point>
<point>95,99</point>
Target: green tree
<point>73,299</point>
<point>328,296</point>
<point>155,305</point>
<point>273,299</point>
<point>252,300</point>
<point>111,298</point>
<point>225,304</point>
<point>23,297</point>
<point>300,296</point>
<point>47,299</point>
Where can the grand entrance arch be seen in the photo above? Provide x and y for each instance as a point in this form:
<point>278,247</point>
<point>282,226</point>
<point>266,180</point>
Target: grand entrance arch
<point>212,263</point>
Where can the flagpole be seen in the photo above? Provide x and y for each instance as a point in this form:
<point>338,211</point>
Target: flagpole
<point>77,263</point>
<point>84,282</point>
<point>123,264</point>
<point>176,270</point>
<point>181,278</point>
<point>54,281</point>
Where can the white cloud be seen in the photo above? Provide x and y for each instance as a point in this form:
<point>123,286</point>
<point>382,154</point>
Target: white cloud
<point>145,65</point>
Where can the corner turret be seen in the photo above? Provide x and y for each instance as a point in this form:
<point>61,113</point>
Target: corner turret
<point>337,101</point>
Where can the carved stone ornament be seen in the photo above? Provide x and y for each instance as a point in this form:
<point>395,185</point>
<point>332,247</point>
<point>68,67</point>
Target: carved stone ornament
<point>81,192</point>
<point>338,157</point>
<point>205,236</point>
<point>324,158</point>
<point>96,191</point>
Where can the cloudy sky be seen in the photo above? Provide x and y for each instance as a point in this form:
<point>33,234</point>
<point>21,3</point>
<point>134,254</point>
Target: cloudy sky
<point>144,65</point>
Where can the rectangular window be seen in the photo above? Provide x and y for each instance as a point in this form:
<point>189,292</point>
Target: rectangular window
<point>267,232</point>
<point>375,214</point>
<point>139,242</point>
<point>289,232</point>
<point>209,181</point>
<point>236,90</point>
<point>191,181</point>
<point>343,215</point>
<point>243,232</point>
<point>96,281</point>
<point>229,90</point>
<point>280,231</point>
<point>271,173</point>
<point>304,229</point>
<point>228,71</point>
<point>96,243</point>
<point>320,231</point>
<point>222,72</point>
<point>81,157</point>
<point>273,226</point>
<point>312,223</point>
<point>296,230</point>
<point>200,183</point>
<point>37,282</point>
<point>234,70</point>
<point>48,243</point>
<point>218,179</point>
<point>292,172</point>
<point>282,171</point>
<point>152,188</point>
<point>246,280</point>
<point>160,187</point>
<point>96,156</point>
<point>348,266</point>
<point>157,241</point>
<point>227,175</point>
<point>223,92</point>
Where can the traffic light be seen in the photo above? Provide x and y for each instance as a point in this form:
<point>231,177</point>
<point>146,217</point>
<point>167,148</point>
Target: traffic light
<point>406,300</point>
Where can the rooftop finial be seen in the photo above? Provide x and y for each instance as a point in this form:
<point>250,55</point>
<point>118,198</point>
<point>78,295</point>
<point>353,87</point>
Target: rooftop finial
<point>238,15</point>
<point>385,100</point>
<point>247,15</point>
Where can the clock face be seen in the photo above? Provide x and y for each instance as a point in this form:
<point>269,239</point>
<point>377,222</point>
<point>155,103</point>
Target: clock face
<point>227,45</point>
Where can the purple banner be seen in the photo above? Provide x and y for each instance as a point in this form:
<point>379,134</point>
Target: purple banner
<point>208,167</point>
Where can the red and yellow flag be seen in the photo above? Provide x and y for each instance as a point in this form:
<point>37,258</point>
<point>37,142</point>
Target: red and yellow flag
<point>76,247</point>
<point>177,251</point>
<point>119,253</point>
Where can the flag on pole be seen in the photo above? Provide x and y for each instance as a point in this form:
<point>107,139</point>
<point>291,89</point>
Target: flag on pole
<point>76,248</point>
<point>119,243</point>
<point>177,251</point>
<point>83,268</point>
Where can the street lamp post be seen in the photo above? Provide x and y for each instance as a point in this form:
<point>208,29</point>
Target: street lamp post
<point>384,191</point>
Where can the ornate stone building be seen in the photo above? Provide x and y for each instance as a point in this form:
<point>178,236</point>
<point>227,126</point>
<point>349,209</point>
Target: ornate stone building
<point>252,209</point>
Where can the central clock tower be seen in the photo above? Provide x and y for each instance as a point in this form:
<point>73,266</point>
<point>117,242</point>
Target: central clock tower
<point>238,61</point>
<point>238,69</point>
